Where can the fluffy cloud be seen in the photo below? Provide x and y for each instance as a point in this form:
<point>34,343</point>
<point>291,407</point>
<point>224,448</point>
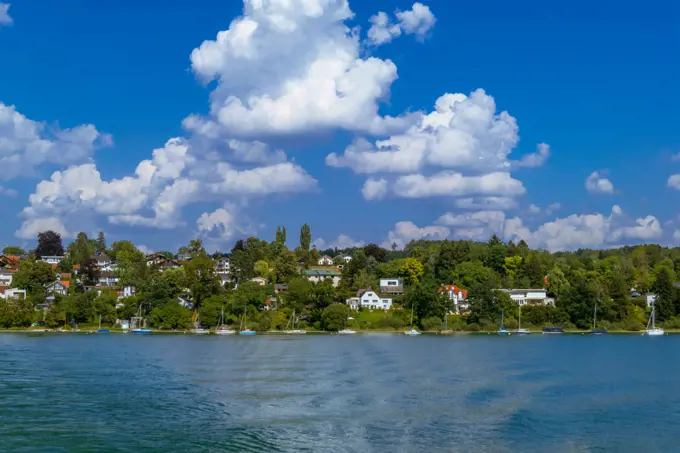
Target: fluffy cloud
<point>26,144</point>
<point>405,232</point>
<point>5,18</point>
<point>597,183</point>
<point>674,182</point>
<point>485,203</point>
<point>455,184</point>
<point>8,192</point>
<point>477,226</point>
<point>462,132</point>
<point>293,67</point>
<point>534,209</point>
<point>342,242</point>
<point>374,189</point>
<point>155,195</point>
<point>416,21</point>
<point>536,159</point>
<point>220,226</point>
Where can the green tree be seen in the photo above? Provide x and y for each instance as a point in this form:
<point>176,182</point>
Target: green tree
<point>33,276</point>
<point>334,317</point>
<point>100,247</point>
<point>122,246</point>
<point>201,278</point>
<point>12,250</point>
<point>285,267</point>
<point>305,237</point>
<point>665,293</point>
<point>261,268</point>
<point>81,249</point>
<point>411,270</point>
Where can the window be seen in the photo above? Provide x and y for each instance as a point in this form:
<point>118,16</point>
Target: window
<point>391,283</point>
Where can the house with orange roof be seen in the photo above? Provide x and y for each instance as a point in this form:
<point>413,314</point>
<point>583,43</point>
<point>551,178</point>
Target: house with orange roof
<point>457,295</point>
<point>59,287</point>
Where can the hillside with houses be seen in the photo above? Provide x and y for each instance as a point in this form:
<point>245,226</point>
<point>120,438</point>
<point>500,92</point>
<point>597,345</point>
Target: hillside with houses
<point>467,284</point>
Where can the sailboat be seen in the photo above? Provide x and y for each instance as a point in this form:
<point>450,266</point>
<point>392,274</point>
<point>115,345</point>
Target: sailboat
<point>198,330</point>
<point>346,330</point>
<point>139,330</point>
<point>222,329</point>
<point>596,331</point>
<point>100,330</point>
<point>244,329</point>
<point>519,330</point>
<point>291,323</point>
<point>654,331</point>
<point>412,332</point>
<point>502,330</point>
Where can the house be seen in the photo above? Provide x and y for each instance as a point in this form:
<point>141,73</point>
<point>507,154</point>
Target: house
<point>161,262</point>
<point>259,281</point>
<point>53,260</point>
<point>104,262</point>
<point>650,298</point>
<point>369,299</point>
<point>530,296</point>
<point>60,287</point>
<point>6,277</point>
<point>9,261</point>
<point>457,295</point>
<point>392,285</point>
<point>13,293</point>
<point>317,275</point>
<point>108,278</point>
<point>127,291</point>
<point>347,259</point>
<point>223,266</point>
<point>280,288</point>
<point>184,257</point>
<point>325,261</point>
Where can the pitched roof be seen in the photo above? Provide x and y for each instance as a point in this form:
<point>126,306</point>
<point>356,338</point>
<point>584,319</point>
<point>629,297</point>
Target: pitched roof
<point>103,258</point>
<point>66,283</point>
<point>453,288</point>
<point>322,273</point>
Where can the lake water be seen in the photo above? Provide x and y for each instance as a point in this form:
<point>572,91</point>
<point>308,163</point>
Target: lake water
<point>372,393</point>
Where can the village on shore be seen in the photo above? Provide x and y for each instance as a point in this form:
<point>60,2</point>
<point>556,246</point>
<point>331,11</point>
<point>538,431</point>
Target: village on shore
<point>436,286</point>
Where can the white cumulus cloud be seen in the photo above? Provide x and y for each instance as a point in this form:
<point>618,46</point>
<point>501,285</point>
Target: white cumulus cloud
<point>288,67</point>
<point>374,189</point>
<point>450,183</point>
<point>343,241</point>
<point>416,21</point>
<point>485,203</point>
<point>406,231</point>
<point>596,183</point>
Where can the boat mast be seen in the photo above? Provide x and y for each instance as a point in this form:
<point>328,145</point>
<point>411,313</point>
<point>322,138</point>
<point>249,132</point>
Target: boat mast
<point>519,323</point>
<point>595,316</point>
<point>411,315</point>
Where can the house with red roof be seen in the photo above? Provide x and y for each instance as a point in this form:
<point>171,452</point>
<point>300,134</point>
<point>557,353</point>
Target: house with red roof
<point>457,295</point>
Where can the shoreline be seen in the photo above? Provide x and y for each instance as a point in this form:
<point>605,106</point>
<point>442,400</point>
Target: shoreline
<point>283,334</point>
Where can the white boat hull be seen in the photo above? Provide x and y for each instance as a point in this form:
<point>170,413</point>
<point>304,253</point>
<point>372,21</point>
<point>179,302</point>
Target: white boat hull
<point>412,333</point>
<point>654,332</point>
<point>295,332</point>
<point>200,332</point>
<point>225,332</point>
<point>347,332</point>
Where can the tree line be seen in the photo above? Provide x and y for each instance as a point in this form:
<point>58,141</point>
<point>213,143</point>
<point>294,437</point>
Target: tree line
<point>577,280</point>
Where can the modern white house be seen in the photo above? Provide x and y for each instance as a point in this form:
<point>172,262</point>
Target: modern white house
<point>368,298</point>
<point>223,266</point>
<point>457,295</point>
<point>13,293</point>
<point>530,296</point>
<point>51,259</point>
<point>347,259</point>
<point>104,263</point>
<point>392,285</point>
<point>325,261</point>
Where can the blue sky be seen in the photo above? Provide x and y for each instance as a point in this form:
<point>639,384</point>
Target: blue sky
<point>597,84</point>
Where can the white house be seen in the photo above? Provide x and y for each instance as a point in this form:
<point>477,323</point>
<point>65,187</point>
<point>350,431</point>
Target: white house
<point>317,275</point>
<point>530,296</point>
<point>392,285</point>
<point>369,299</point>
<point>14,293</point>
<point>108,278</point>
<point>52,259</point>
<point>104,263</point>
<point>325,261</point>
<point>347,259</point>
<point>54,288</point>
<point>650,298</point>
<point>5,277</point>
<point>457,295</point>
<point>223,266</point>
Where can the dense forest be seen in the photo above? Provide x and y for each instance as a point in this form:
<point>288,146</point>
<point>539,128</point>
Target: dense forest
<point>577,280</point>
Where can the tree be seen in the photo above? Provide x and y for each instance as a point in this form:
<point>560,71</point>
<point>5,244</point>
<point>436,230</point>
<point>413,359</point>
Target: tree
<point>81,249</point>
<point>201,278</point>
<point>281,235</point>
<point>446,261</point>
<point>122,246</point>
<point>261,268</point>
<point>334,317</point>
<point>305,237</point>
<point>285,267</point>
<point>89,272</point>
<point>665,293</point>
<point>13,250</point>
<point>33,276</point>
<point>49,244</point>
<point>100,247</point>
<point>377,252</point>
<point>411,270</point>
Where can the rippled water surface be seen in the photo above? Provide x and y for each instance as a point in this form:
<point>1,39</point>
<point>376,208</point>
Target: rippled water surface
<point>377,393</point>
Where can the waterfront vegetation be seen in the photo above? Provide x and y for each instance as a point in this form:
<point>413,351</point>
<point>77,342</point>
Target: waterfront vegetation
<point>577,280</point>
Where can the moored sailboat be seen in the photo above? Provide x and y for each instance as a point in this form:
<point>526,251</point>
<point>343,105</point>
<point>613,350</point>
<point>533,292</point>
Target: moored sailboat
<point>653,331</point>
<point>412,332</point>
<point>519,330</point>
<point>291,323</point>
<point>243,329</point>
<point>502,330</point>
<point>596,331</point>
<point>100,330</point>
<point>139,320</point>
<point>222,329</point>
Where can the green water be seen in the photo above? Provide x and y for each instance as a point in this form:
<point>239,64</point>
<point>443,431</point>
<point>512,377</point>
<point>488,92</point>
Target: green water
<point>121,393</point>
